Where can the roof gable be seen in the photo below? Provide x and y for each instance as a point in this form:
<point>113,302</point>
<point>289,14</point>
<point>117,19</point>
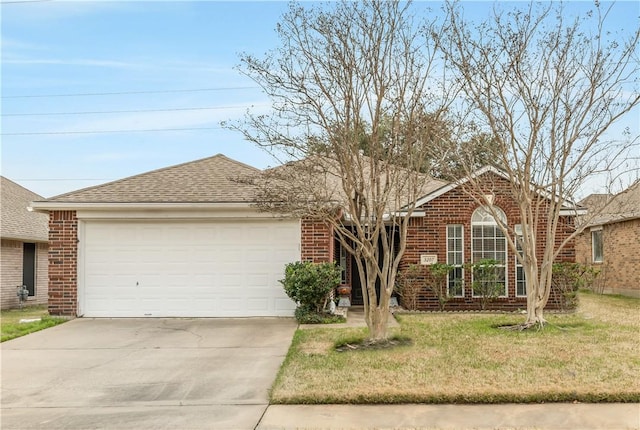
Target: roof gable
<point>569,207</point>
<point>452,185</point>
<point>620,207</point>
<point>209,180</point>
<point>16,221</point>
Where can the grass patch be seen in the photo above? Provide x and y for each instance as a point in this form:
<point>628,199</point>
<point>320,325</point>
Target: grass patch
<point>592,355</point>
<point>11,327</point>
<point>364,344</point>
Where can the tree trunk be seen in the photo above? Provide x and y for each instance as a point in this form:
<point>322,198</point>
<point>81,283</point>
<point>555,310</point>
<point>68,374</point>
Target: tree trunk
<point>535,315</point>
<point>537,295</point>
<point>377,323</point>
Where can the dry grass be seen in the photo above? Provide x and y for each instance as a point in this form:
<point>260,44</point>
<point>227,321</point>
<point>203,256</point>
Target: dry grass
<point>592,355</point>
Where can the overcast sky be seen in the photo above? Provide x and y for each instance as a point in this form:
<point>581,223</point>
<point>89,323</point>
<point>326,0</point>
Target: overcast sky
<point>125,69</point>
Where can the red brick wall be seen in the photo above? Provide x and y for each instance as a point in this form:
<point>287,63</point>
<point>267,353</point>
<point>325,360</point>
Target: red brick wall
<point>63,263</point>
<point>317,242</point>
<point>428,235</point>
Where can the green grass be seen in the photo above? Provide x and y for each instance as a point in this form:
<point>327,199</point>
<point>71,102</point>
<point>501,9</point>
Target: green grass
<point>592,355</point>
<point>11,327</point>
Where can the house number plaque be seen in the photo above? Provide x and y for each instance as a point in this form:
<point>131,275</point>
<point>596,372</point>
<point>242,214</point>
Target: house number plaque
<point>428,259</point>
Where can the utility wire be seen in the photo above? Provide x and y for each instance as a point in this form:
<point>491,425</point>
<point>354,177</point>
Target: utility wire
<point>128,92</point>
<point>123,111</point>
<point>107,131</point>
<point>61,179</point>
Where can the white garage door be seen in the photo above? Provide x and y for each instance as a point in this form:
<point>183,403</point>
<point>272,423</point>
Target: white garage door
<point>186,269</point>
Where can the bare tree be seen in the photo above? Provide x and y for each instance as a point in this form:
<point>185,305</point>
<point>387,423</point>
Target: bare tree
<point>347,75</point>
<point>547,89</point>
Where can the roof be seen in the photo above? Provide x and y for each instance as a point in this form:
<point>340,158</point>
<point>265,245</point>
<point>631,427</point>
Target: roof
<point>209,180</point>
<point>319,179</point>
<point>16,221</point>
<point>620,207</point>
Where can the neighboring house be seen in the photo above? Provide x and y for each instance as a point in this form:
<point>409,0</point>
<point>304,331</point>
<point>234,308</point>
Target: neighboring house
<point>611,241</point>
<point>188,241</point>
<point>23,255</point>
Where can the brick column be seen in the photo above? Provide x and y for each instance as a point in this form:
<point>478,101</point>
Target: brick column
<point>317,241</point>
<point>63,263</point>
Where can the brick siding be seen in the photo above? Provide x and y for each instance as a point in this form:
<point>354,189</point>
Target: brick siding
<point>63,263</point>
<point>11,273</point>
<point>428,235</point>
<point>620,270</point>
<point>317,241</point>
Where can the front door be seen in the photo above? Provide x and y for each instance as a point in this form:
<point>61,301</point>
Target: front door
<point>356,290</point>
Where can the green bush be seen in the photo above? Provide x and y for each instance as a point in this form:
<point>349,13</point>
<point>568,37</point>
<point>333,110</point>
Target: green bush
<point>488,281</point>
<point>568,278</point>
<point>309,284</point>
<point>438,282</point>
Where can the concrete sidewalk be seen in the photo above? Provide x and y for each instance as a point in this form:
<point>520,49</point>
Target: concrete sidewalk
<point>551,416</point>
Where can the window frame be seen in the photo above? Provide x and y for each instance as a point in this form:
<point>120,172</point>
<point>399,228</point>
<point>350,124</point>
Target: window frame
<point>597,231</point>
<point>457,266</point>
<point>518,234</point>
<point>343,265</point>
<point>483,217</point>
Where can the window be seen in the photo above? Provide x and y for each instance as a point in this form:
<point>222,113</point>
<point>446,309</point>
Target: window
<point>521,282</point>
<point>488,242</point>
<point>340,258</point>
<point>343,265</point>
<point>29,267</point>
<point>455,257</point>
<point>597,245</point>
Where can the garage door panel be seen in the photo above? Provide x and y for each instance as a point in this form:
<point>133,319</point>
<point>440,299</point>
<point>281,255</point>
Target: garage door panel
<point>187,268</point>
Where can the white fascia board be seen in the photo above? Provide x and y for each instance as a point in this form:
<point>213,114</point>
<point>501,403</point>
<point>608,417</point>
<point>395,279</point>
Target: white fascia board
<point>573,212</point>
<point>166,211</point>
<point>387,217</point>
<point>445,189</point>
<point>570,210</point>
<point>43,206</point>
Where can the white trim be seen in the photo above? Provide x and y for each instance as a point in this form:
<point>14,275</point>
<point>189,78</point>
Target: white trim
<point>80,272</point>
<point>455,265</point>
<point>593,246</point>
<point>44,206</point>
<point>443,190</point>
<point>518,232</point>
<point>506,252</point>
<point>387,216</point>
<point>570,208</point>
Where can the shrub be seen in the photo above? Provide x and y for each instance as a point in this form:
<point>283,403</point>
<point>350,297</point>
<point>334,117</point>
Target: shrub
<point>306,316</point>
<point>310,284</point>
<point>410,282</point>
<point>487,281</point>
<point>437,282</point>
<point>568,278</point>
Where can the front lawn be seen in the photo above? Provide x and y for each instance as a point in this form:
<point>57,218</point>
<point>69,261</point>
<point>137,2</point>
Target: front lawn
<point>11,326</point>
<point>590,356</point>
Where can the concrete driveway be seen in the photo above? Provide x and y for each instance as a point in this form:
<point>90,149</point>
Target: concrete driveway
<point>143,373</point>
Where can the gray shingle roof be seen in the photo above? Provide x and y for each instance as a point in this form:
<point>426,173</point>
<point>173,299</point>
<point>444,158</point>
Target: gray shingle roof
<point>623,206</point>
<point>209,180</point>
<point>16,221</point>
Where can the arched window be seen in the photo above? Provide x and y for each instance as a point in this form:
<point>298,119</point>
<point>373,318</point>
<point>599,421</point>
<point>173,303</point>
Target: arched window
<point>488,243</point>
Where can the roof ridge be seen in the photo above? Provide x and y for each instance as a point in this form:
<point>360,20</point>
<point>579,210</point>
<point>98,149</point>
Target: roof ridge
<point>150,172</point>
<point>20,186</point>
